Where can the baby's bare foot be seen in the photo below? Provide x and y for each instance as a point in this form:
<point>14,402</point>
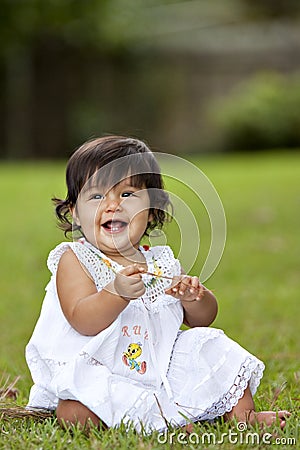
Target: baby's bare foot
<point>268,417</point>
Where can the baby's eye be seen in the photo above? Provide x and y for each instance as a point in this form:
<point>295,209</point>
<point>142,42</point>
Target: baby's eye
<point>97,196</point>
<point>127,194</point>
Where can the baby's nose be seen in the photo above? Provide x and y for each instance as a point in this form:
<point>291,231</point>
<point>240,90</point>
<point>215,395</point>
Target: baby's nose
<point>112,204</point>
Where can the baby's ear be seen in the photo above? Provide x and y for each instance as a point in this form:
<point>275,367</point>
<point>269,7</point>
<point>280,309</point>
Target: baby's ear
<point>150,217</point>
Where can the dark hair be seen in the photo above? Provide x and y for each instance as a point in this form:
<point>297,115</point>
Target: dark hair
<point>111,159</point>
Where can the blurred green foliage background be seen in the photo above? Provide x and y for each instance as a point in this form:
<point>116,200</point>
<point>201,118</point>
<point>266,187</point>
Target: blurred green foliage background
<point>184,75</point>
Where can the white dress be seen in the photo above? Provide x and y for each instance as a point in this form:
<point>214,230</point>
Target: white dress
<point>142,369</point>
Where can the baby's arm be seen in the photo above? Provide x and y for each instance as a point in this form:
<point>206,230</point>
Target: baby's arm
<point>199,304</point>
<point>86,309</point>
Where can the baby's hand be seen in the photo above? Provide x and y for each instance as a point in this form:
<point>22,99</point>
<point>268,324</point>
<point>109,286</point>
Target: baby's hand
<point>186,288</point>
<point>128,282</point>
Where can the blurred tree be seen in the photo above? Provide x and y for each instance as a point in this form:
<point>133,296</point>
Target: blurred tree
<point>262,112</point>
<point>29,28</point>
<point>273,8</point>
<point>76,22</point>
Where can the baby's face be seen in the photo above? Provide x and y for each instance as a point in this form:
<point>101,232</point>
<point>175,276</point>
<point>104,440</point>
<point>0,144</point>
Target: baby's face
<point>113,220</point>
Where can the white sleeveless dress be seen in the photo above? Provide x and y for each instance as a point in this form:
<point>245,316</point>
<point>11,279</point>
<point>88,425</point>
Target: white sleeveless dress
<point>142,369</point>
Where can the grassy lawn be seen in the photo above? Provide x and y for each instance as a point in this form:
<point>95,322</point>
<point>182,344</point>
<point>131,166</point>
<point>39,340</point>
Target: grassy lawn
<point>257,284</point>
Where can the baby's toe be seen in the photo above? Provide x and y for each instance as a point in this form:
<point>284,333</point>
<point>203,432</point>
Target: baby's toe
<point>283,414</point>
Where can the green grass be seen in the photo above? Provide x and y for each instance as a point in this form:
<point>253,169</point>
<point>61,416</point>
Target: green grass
<point>257,284</point>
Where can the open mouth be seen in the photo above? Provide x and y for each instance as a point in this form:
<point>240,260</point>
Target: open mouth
<point>114,226</point>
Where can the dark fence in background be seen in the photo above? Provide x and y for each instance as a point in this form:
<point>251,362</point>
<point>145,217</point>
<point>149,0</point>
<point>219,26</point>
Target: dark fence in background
<point>54,95</point>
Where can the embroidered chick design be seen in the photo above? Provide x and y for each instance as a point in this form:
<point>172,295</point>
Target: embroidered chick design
<point>129,358</point>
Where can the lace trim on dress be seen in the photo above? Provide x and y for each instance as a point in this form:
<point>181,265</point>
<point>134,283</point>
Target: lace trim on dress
<point>251,370</point>
<point>160,259</point>
<point>100,273</point>
<point>55,255</point>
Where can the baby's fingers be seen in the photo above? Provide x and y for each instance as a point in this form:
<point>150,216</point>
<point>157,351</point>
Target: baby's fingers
<point>178,286</point>
<point>197,288</point>
<point>200,292</point>
<point>131,270</point>
<point>184,285</point>
<point>173,289</point>
<point>194,285</point>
